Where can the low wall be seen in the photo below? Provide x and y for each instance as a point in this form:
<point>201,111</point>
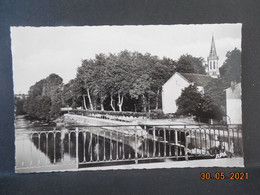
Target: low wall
<point>116,125</point>
<point>95,121</point>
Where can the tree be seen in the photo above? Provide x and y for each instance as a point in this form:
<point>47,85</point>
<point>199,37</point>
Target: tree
<point>142,88</point>
<point>85,76</point>
<point>122,76</point>
<point>189,101</point>
<point>110,65</point>
<point>101,75</point>
<point>192,102</point>
<point>51,84</point>
<point>161,71</point>
<point>208,109</point>
<point>43,107</point>
<point>19,105</point>
<point>38,107</point>
<point>215,90</point>
<point>190,64</point>
<point>68,93</point>
<point>231,69</point>
<point>56,104</point>
<point>42,98</point>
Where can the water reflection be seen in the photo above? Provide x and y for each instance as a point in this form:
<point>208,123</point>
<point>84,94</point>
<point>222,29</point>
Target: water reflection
<point>104,145</point>
<point>91,147</point>
<point>94,144</point>
<point>40,146</point>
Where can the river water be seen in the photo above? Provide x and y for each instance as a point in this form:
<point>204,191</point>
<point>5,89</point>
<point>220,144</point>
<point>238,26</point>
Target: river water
<point>30,152</point>
<point>40,150</point>
<point>95,145</point>
<point>40,146</point>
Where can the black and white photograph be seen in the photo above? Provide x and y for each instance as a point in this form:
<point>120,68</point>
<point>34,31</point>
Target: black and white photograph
<point>127,97</point>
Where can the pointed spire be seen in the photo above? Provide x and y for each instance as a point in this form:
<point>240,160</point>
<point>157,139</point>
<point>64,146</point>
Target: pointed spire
<point>213,68</point>
<point>213,52</point>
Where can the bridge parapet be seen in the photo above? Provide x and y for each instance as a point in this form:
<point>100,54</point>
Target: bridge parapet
<point>110,144</point>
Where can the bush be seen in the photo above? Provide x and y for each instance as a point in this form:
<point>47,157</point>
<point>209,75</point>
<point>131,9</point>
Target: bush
<point>158,114</point>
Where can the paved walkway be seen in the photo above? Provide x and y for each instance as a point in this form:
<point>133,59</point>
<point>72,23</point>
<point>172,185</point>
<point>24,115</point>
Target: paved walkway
<point>224,162</point>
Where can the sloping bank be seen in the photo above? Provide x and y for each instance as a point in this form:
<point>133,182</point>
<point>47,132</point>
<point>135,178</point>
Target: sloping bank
<point>119,130</point>
<point>129,128</point>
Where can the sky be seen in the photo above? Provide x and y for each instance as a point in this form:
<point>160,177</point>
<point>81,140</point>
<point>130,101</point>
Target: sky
<point>39,51</point>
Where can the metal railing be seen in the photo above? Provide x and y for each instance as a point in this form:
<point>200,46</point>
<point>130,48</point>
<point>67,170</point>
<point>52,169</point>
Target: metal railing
<point>82,146</point>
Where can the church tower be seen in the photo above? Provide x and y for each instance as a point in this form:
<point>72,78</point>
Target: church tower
<point>213,69</point>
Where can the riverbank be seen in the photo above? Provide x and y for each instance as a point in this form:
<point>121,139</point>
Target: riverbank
<point>89,120</point>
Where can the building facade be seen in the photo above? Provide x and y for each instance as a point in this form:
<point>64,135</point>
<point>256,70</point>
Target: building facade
<point>233,104</point>
<point>172,89</point>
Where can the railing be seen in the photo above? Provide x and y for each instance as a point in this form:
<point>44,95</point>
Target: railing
<point>83,146</point>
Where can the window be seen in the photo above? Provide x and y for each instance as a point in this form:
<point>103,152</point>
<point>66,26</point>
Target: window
<point>213,65</point>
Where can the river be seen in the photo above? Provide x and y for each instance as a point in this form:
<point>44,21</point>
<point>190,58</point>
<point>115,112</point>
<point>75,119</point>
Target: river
<point>41,149</point>
<point>43,146</point>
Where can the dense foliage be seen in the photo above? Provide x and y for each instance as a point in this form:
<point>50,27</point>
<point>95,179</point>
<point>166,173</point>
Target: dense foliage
<point>127,81</point>
<point>188,102</point>
<point>231,69</point>
<point>190,64</point>
<point>192,102</point>
<point>44,98</point>
<point>19,103</point>
<point>230,73</point>
<point>212,103</point>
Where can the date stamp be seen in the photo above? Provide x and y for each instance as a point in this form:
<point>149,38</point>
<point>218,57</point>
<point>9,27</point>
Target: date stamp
<point>224,176</point>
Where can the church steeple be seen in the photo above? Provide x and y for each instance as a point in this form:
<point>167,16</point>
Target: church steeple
<point>213,69</point>
<point>213,51</point>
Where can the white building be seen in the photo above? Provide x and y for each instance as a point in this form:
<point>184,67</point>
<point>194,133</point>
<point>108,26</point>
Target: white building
<point>233,104</point>
<point>172,89</point>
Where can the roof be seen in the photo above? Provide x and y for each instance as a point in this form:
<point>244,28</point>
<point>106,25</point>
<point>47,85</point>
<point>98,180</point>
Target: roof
<point>198,79</point>
<point>213,52</point>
